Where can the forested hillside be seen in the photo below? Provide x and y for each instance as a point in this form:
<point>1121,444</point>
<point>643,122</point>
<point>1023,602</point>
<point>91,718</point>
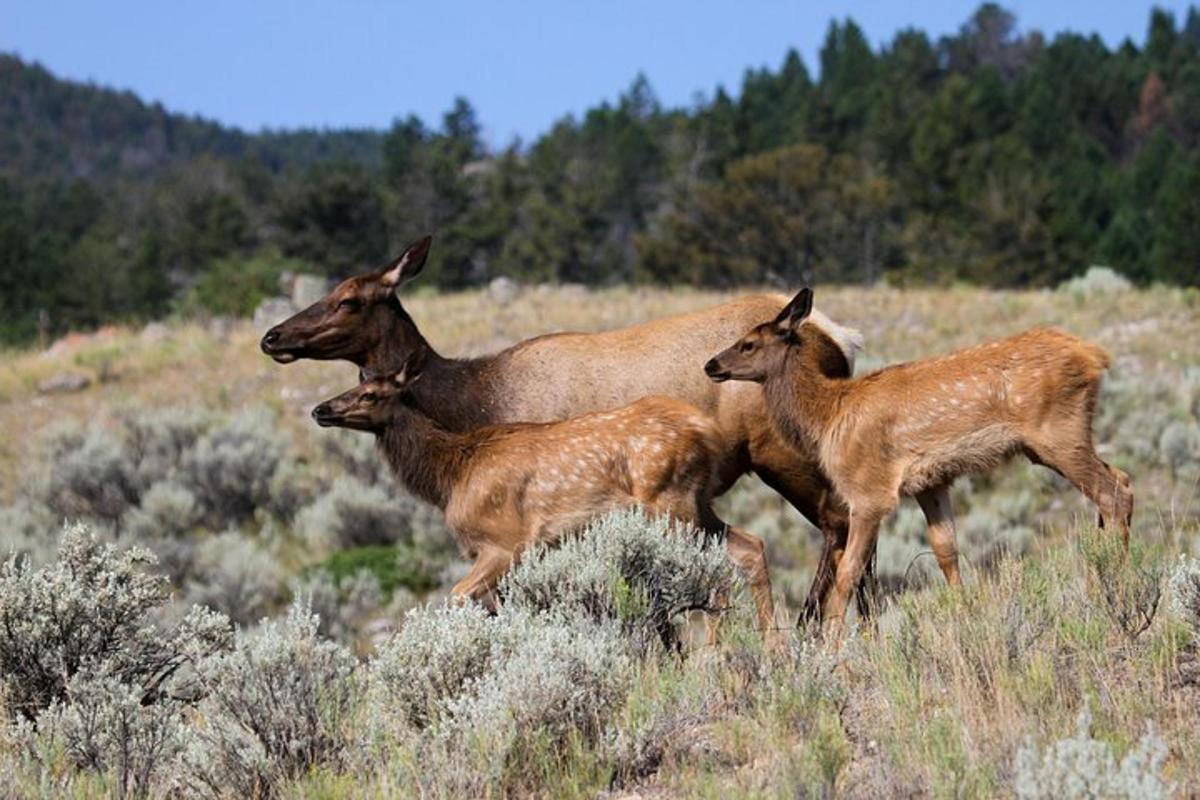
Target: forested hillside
<point>994,156</point>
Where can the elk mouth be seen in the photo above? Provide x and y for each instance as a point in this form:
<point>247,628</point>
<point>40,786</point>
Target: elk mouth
<point>325,416</point>
<point>272,345</point>
<point>716,372</point>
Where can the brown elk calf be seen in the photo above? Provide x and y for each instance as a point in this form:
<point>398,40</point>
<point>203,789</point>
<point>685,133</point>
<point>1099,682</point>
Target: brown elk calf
<point>506,487</point>
<point>909,430</point>
<point>563,375</point>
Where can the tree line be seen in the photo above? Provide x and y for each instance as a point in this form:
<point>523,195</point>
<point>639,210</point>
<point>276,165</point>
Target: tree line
<point>991,156</point>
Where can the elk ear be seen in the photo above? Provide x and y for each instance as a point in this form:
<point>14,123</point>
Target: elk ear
<point>797,310</point>
<point>408,265</point>
<point>408,373</point>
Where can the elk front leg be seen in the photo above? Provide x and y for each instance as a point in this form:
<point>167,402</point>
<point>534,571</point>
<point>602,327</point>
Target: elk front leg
<point>864,528</point>
<point>750,554</point>
<point>490,565</point>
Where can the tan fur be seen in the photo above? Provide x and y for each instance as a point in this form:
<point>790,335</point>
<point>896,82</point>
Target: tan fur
<point>559,376</point>
<point>506,487</point>
<point>911,429</point>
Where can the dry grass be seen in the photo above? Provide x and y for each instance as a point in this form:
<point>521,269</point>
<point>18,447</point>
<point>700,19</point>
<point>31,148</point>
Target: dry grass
<point>939,699</point>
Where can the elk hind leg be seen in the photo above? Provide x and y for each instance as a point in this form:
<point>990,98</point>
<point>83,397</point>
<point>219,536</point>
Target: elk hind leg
<point>1109,488</point>
<point>939,515</point>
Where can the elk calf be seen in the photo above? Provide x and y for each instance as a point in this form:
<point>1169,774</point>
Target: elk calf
<point>911,429</point>
<point>506,487</point>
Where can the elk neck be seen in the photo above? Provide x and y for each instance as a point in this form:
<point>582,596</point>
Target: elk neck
<point>428,459</point>
<point>802,400</point>
<point>455,392</point>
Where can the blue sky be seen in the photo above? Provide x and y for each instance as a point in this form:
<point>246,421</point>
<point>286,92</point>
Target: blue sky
<point>289,63</point>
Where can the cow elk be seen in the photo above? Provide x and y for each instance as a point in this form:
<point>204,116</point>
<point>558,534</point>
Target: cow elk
<point>504,488</point>
<point>909,430</point>
<point>563,375</point>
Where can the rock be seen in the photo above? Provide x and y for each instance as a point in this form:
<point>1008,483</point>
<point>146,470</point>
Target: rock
<point>308,289</point>
<point>154,333</point>
<point>272,311</point>
<point>64,383</point>
<point>220,327</point>
<point>503,290</point>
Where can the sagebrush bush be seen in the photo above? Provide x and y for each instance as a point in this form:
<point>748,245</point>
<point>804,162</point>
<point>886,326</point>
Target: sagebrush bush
<point>1080,767</point>
<point>341,606</point>
<point>91,475</point>
<point>1185,592</point>
<point>157,439</point>
<point>560,677</point>
<point>1096,281</point>
<point>235,576</point>
<point>437,652</point>
<point>90,609</point>
<point>357,455</point>
<point>1179,449</point>
<point>354,514</point>
<point>29,530</point>
<point>625,567</point>
<point>469,697</point>
<point>106,726</point>
<point>231,468</point>
<point>274,708</point>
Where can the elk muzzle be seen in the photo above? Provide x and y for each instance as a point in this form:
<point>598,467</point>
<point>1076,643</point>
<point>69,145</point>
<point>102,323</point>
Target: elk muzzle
<point>715,371</point>
<point>324,415</point>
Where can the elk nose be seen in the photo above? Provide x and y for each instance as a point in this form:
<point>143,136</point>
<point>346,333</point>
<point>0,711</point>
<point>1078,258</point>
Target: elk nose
<point>711,367</point>
<point>271,337</point>
<point>321,412</point>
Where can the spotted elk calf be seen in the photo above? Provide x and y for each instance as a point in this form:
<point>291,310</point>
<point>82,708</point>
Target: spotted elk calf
<point>909,430</point>
<point>506,487</point>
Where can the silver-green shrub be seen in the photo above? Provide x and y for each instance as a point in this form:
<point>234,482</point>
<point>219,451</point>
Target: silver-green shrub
<point>28,529</point>
<point>559,677</point>
<point>1096,281</point>
<point>643,572</point>
<point>467,696</point>
<point>1080,768</point>
<point>1184,587</point>
<point>91,475</point>
<point>1179,449</point>
<point>157,439</point>
<point>231,468</point>
<point>354,514</point>
<point>341,606</point>
<point>105,725</point>
<point>438,652</point>
<point>235,576</point>
<point>91,609</point>
<point>275,708</point>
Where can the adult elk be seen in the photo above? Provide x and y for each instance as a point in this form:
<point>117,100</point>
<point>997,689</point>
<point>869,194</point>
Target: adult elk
<point>909,430</point>
<point>504,488</point>
<point>562,375</point>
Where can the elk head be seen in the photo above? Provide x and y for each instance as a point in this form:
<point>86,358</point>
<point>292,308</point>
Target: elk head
<point>371,405</point>
<point>761,351</point>
<point>359,316</point>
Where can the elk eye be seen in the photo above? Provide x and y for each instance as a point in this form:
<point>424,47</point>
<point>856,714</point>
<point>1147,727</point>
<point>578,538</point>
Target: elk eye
<point>369,397</point>
<point>350,304</point>
<point>746,347</point>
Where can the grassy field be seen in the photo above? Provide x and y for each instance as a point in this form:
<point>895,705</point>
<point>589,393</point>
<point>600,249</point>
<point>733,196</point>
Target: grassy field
<point>1058,662</point>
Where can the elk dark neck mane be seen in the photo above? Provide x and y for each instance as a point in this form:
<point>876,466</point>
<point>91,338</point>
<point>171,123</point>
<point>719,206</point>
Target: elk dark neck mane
<point>456,391</point>
<point>427,458</point>
<point>806,395</point>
